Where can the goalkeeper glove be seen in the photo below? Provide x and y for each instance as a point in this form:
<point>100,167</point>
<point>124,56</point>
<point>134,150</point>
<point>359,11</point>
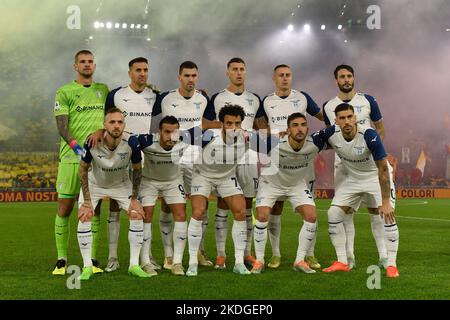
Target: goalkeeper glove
<point>79,151</point>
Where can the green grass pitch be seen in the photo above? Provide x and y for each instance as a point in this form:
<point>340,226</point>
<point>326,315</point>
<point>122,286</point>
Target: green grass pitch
<point>28,254</point>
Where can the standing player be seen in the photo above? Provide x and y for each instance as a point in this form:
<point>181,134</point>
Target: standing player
<point>109,177</point>
<point>367,178</point>
<point>247,173</point>
<point>136,102</point>
<point>162,176</point>
<point>79,110</point>
<point>187,105</point>
<point>277,107</point>
<point>295,167</point>
<point>367,112</point>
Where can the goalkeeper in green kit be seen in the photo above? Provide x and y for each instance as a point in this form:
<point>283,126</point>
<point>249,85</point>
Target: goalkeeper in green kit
<point>79,111</point>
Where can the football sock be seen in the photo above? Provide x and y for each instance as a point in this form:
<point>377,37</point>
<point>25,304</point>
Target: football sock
<point>179,241</point>
<point>221,230</point>
<point>337,233</point>
<point>305,238</point>
<point>376,222</point>
<point>260,237</point>
<point>146,244</point>
<point>249,223</point>
<point>95,235</point>
<point>165,227</point>
<point>392,241</point>
<point>194,238</point>
<point>113,233</point>
<point>84,235</point>
<point>135,236</point>
<point>349,228</point>
<point>204,227</point>
<point>62,236</point>
<point>274,228</point>
<point>239,234</point>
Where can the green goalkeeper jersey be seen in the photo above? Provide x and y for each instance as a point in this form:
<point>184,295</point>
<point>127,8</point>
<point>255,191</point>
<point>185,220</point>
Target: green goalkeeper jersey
<point>85,107</point>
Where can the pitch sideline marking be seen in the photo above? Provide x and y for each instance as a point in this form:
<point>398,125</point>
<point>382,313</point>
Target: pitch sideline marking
<point>407,217</point>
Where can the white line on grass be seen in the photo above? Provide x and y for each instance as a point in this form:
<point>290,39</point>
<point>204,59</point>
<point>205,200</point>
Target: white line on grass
<point>406,217</point>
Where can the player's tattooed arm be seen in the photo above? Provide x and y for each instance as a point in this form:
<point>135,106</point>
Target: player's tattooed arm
<point>386,211</point>
<point>319,116</point>
<point>379,127</point>
<point>83,172</point>
<point>137,177</point>
<point>62,122</point>
<point>383,177</point>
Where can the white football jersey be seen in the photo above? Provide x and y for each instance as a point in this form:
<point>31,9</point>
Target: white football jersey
<point>219,159</point>
<point>293,165</point>
<point>136,107</point>
<point>160,164</point>
<point>188,111</point>
<point>365,106</point>
<point>249,101</point>
<point>278,109</point>
<point>358,156</point>
<point>110,167</point>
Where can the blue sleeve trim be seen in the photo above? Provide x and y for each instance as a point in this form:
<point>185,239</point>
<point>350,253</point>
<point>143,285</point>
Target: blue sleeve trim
<point>88,155</point>
<point>210,111</point>
<point>260,112</point>
<point>311,106</point>
<point>325,116</point>
<point>318,140</point>
<point>109,104</point>
<point>375,113</point>
<point>157,106</point>
<point>326,133</point>
<point>375,144</point>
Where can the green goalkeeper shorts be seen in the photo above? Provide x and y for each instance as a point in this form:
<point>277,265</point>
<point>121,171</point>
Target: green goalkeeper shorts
<point>68,181</point>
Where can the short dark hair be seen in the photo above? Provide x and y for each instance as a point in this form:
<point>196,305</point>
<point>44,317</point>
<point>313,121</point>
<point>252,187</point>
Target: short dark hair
<point>231,110</point>
<point>113,110</point>
<point>187,65</point>
<point>137,60</point>
<point>343,107</point>
<point>168,120</point>
<point>235,60</point>
<point>82,52</point>
<point>343,66</point>
<point>295,115</point>
<point>280,66</point>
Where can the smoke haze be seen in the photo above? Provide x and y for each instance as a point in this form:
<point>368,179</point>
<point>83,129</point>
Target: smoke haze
<point>405,64</point>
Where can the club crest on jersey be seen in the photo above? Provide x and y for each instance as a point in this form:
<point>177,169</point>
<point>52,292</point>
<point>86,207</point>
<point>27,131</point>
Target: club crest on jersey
<point>358,109</point>
<point>197,105</point>
<point>123,155</point>
<point>174,105</point>
<point>149,100</point>
<point>295,103</point>
<point>359,150</point>
<point>250,102</point>
<point>99,94</point>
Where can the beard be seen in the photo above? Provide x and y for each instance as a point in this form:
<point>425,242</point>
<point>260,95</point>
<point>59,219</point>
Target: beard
<point>346,89</point>
<point>115,133</point>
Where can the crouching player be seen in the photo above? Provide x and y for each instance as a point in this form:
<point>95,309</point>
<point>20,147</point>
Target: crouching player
<point>363,156</point>
<point>109,177</point>
<point>292,166</point>
<point>162,176</point>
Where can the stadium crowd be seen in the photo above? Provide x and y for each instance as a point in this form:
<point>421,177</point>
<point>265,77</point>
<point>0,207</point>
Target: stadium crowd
<point>22,170</point>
